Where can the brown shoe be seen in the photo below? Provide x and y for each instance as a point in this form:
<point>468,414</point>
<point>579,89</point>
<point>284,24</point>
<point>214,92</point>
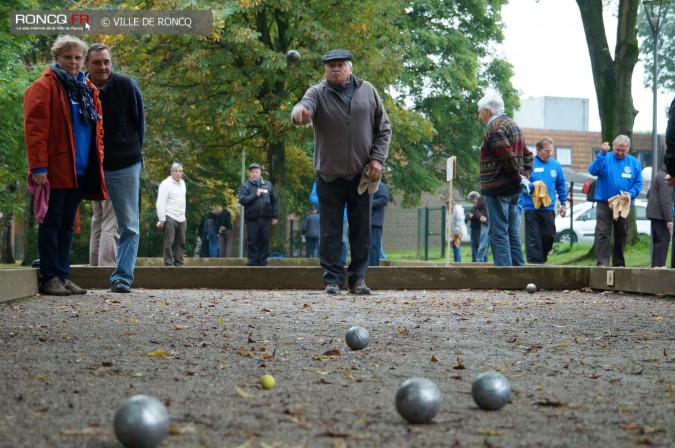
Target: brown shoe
<point>73,288</point>
<point>53,287</point>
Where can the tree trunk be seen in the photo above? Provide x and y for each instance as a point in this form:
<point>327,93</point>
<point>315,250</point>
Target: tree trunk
<point>6,254</point>
<point>276,156</point>
<point>613,77</point>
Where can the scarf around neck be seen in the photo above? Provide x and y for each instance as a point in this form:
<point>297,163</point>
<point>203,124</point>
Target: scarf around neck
<point>78,92</point>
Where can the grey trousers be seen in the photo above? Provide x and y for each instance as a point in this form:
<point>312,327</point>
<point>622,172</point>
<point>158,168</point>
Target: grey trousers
<point>174,242</point>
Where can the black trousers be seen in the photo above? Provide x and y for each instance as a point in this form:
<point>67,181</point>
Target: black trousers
<point>660,242</point>
<point>604,226</point>
<point>539,235</point>
<point>258,232</point>
<point>332,199</point>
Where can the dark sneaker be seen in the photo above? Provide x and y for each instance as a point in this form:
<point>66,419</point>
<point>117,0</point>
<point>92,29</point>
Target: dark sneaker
<point>120,286</point>
<point>53,287</point>
<point>360,287</point>
<point>72,287</point>
<point>332,289</point>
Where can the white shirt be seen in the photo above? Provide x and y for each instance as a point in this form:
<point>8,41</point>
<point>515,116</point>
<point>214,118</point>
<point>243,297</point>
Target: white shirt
<point>457,224</point>
<point>171,200</point>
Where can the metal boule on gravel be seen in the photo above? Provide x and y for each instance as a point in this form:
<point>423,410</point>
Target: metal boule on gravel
<point>531,288</point>
<point>418,400</point>
<point>357,338</point>
<point>141,421</point>
<point>491,390</point>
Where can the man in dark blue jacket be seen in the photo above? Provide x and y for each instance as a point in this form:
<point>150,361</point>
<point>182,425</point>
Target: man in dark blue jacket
<point>379,201</point>
<point>124,130</point>
<point>261,213</point>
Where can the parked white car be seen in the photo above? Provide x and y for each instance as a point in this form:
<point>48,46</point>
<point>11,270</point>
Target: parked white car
<point>583,228</point>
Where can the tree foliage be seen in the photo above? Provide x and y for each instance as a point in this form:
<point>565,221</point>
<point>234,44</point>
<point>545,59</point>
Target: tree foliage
<point>14,79</point>
<point>666,49</point>
<point>212,101</point>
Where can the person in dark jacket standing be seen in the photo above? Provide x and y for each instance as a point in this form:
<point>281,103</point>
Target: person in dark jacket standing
<point>380,201</point>
<point>261,213</point>
<point>312,232</point>
<point>124,130</point>
<point>660,213</point>
<point>224,224</point>
<point>478,218</point>
<point>351,135</point>
<point>669,157</point>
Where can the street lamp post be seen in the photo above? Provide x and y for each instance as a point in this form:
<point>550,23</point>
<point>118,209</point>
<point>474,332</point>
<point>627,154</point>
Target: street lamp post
<point>656,11</point>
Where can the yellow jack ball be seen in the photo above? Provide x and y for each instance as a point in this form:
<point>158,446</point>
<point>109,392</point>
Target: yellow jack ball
<point>267,381</point>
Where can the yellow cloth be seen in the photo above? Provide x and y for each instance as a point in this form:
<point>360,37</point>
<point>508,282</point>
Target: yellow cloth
<point>366,184</point>
<point>540,195</point>
<point>620,204</point>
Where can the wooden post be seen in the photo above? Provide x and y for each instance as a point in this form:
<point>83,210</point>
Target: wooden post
<point>451,169</point>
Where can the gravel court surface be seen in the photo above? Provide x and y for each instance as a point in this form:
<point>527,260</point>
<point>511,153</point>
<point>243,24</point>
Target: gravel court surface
<point>587,368</point>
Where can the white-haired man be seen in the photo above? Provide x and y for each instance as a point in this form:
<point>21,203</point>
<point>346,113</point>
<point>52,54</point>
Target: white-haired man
<point>504,162</point>
<point>618,173</point>
<point>171,214</point>
<point>351,132</point>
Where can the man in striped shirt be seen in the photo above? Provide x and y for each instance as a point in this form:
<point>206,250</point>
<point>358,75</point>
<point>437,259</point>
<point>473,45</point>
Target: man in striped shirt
<point>505,166</point>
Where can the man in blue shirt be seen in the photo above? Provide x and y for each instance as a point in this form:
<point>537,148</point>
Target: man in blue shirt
<point>540,218</point>
<point>618,173</point>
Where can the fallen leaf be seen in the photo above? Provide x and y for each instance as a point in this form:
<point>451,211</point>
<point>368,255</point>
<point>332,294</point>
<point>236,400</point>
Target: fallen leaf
<point>458,365</point>
<point>241,392</point>
<point>85,432</point>
<point>174,430</point>
<point>433,358</point>
<point>159,352</point>
<point>551,403</point>
<point>489,432</point>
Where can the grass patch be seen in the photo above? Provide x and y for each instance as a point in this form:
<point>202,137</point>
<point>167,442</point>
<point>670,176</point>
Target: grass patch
<point>636,256</point>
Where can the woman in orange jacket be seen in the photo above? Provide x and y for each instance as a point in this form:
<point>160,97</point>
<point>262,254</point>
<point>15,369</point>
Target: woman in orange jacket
<point>64,142</point>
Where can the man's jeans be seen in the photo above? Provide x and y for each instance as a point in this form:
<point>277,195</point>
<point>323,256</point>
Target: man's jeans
<point>479,244</point>
<point>375,245</point>
<point>504,230</point>
<point>123,187</point>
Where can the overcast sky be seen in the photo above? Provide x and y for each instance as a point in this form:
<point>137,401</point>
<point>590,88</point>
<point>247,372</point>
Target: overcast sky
<point>546,44</point>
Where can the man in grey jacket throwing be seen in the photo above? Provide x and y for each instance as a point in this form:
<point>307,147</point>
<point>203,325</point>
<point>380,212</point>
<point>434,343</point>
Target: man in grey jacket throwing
<point>351,133</point>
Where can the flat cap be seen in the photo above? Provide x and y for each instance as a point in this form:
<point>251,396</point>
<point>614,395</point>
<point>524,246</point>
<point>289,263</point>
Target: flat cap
<point>337,55</point>
<point>253,165</point>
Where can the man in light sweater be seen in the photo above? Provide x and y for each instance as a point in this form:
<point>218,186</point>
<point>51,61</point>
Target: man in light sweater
<point>171,214</point>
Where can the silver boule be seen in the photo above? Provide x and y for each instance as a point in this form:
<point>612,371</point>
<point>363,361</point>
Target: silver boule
<point>293,57</point>
<point>357,338</point>
<point>418,400</point>
<point>141,421</point>
<point>531,288</point>
<point>491,390</point>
